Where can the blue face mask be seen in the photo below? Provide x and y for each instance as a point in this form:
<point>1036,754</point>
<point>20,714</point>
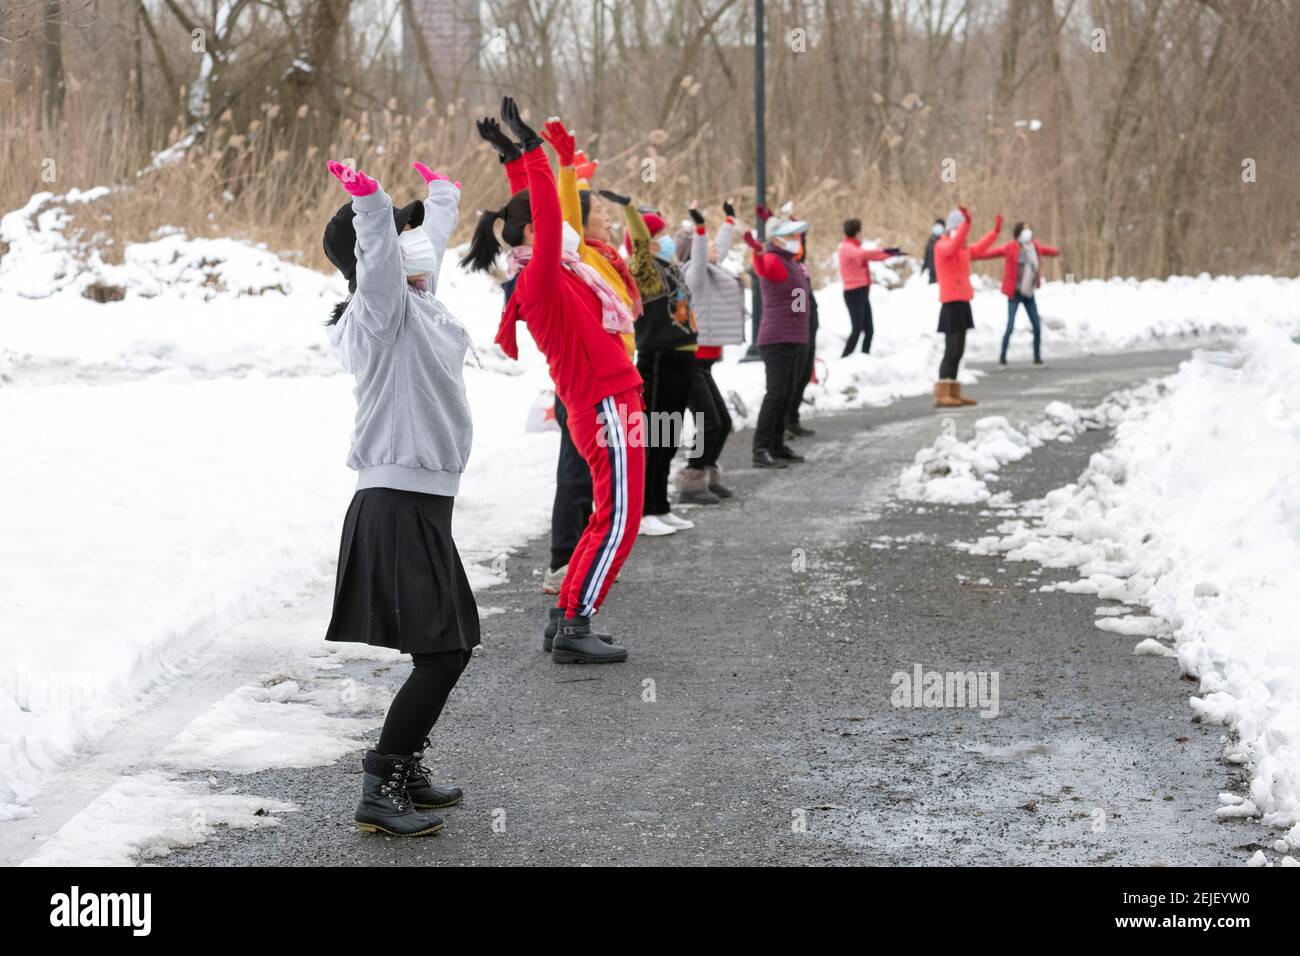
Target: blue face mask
<point>667,247</point>
<point>937,230</point>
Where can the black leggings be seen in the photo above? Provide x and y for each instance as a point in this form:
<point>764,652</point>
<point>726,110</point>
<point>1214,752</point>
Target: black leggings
<point>667,374</point>
<point>954,348</point>
<point>420,700</point>
<point>858,302</point>
<point>707,401</point>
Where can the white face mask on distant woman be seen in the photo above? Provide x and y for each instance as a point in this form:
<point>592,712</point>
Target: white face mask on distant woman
<point>937,230</point>
<point>418,255</point>
<point>1026,235</point>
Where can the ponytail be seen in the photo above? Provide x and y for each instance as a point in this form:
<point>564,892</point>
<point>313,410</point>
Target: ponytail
<point>336,313</point>
<point>484,247</point>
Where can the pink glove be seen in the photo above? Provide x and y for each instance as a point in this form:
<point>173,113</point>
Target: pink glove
<point>429,175</point>
<point>561,141</point>
<point>355,182</point>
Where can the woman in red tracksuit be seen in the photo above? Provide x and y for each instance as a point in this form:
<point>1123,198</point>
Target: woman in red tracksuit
<point>952,264</point>
<point>1022,274</point>
<point>566,307</point>
<point>855,276</point>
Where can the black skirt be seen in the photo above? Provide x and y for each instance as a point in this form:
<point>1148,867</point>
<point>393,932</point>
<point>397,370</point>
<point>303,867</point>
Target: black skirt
<point>400,582</point>
<point>954,316</point>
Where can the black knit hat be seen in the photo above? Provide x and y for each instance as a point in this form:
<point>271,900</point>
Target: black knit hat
<point>340,240</point>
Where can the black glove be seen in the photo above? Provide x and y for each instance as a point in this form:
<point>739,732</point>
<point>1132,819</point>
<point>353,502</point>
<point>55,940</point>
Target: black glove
<point>491,131</point>
<point>615,197</point>
<point>893,250</point>
<point>527,136</point>
<point>729,209</point>
<point>697,216</point>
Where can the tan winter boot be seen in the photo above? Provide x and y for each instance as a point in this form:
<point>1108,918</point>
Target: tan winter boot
<point>956,393</point>
<point>943,396</point>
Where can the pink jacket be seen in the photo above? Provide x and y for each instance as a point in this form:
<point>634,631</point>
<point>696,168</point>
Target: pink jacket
<point>854,269</point>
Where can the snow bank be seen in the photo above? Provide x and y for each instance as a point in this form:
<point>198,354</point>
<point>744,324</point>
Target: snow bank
<point>1194,514</point>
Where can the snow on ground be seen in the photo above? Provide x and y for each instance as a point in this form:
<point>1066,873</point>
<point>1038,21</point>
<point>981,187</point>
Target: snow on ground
<point>178,454</point>
<point>1192,518</point>
<point>956,472</point>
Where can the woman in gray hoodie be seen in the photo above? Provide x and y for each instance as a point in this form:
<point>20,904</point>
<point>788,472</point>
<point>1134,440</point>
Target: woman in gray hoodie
<point>400,581</point>
<point>719,303</point>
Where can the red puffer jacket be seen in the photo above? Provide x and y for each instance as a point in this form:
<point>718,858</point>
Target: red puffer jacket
<point>952,260</point>
<point>1010,252</point>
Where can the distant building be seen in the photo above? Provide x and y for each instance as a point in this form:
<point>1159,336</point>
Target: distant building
<point>453,34</point>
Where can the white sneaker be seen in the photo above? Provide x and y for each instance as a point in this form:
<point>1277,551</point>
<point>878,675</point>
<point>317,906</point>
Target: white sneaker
<point>676,522</point>
<point>552,581</point>
<point>652,525</point>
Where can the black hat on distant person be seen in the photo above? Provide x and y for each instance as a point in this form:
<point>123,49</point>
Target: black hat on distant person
<point>340,240</point>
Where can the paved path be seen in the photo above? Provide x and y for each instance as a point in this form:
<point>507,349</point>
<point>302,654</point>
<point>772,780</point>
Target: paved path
<point>771,691</point>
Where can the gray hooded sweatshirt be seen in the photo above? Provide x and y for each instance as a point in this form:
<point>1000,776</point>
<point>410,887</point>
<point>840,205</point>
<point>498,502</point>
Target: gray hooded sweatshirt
<point>407,353</point>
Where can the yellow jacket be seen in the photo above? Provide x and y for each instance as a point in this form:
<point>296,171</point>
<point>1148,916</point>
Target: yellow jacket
<point>571,207</point>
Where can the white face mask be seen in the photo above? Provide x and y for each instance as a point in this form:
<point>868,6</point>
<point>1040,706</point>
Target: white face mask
<point>1026,235</point>
<point>937,230</point>
<point>570,238</point>
<point>788,243</point>
<point>418,255</point>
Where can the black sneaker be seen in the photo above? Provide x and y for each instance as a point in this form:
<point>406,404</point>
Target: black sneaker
<point>785,453</point>
<point>575,644</point>
<point>765,459</point>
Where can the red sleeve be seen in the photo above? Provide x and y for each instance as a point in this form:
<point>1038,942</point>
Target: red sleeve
<point>874,255</point>
<point>770,267</point>
<point>1044,250</point>
<point>548,242</point>
<point>981,248</point>
<point>516,175</point>
<point>992,253</point>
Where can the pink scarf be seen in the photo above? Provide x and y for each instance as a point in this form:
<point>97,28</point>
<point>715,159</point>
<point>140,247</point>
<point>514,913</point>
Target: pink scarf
<point>615,316</point>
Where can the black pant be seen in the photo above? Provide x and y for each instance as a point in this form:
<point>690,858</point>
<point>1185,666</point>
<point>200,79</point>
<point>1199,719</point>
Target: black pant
<point>667,375</point>
<point>572,506</point>
<point>706,401</point>
<point>783,365</point>
<point>807,361</point>
<point>419,702</point>
<point>954,348</point>
<point>858,302</point>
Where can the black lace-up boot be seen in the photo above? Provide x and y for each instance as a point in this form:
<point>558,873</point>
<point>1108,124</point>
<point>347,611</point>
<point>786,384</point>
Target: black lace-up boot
<point>423,793</point>
<point>386,805</point>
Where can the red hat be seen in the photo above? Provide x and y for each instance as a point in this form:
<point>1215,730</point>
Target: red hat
<point>653,221</point>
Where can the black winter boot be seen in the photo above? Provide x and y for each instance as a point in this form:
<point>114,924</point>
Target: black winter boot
<point>385,805</point>
<point>423,793</point>
<point>576,644</point>
<point>555,616</point>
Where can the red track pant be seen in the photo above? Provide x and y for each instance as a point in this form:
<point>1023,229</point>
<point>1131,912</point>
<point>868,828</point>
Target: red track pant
<point>600,434</point>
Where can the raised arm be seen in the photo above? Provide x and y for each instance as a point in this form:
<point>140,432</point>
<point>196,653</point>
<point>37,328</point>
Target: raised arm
<point>726,233</point>
<point>981,247</point>
<point>767,265</point>
<point>698,265</point>
<point>1046,250</point>
<point>993,252</point>
<point>642,265</point>
<point>507,151</point>
<point>441,213</point>
<point>380,300</point>
<point>543,200</point>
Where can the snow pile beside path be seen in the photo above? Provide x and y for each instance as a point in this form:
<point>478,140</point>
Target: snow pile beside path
<point>1194,513</point>
<point>957,472</point>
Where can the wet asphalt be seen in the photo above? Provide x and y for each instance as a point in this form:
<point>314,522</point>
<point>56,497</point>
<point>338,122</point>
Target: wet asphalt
<point>753,723</point>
